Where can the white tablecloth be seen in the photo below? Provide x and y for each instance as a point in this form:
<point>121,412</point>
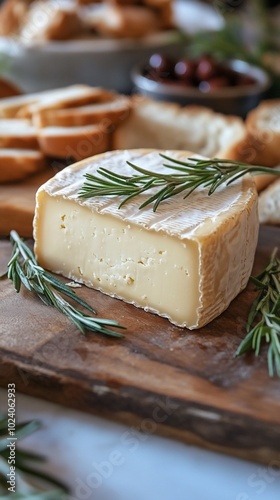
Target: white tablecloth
<point>102,460</point>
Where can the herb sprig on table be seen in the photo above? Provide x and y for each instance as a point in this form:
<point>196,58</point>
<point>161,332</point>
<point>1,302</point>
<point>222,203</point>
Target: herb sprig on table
<point>31,481</point>
<point>265,316</point>
<point>24,269</point>
<point>187,177</point>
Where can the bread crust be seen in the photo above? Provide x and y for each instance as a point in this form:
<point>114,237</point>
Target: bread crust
<point>129,21</point>
<point>18,134</point>
<point>261,143</point>
<point>73,142</point>
<point>107,113</point>
<point>269,204</point>
<point>16,164</point>
<point>160,125</point>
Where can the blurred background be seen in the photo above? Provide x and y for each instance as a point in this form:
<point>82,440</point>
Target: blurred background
<point>50,43</point>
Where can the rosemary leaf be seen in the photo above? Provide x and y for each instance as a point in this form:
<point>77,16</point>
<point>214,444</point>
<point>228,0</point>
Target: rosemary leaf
<point>28,475</point>
<point>24,269</point>
<point>266,311</point>
<point>188,176</point>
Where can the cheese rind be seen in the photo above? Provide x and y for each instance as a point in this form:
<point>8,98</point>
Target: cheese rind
<point>185,262</point>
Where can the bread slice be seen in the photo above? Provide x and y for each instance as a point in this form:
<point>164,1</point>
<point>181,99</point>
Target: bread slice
<point>106,113</point>
<point>163,125</point>
<point>11,106</point>
<point>16,164</point>
<point>269,204</point>
<point>75,95</point>
<point>51,20</point>
<point>261,143</point>
<point>73,142</point>
<point>17,133</point>
<point>12,13</point>
<point>127,21</point>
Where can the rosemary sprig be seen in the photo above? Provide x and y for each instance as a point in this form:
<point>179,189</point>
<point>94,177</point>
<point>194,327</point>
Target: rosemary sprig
<point>24,269</point>
<point>188,176</point>
<point>27,475</point>
<point>266,311</point>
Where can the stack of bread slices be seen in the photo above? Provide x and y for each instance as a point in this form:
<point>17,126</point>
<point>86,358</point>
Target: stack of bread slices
<point>67,124</point>
<point>47,20</point>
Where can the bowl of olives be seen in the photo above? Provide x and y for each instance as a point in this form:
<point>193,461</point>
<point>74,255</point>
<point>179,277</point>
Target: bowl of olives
<point>232,87</point>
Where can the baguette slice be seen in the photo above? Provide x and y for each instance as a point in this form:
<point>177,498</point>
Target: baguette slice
<point>17,133</point>
<point>161,125</point>
<point>73,142</point>
<point>128,21</point>
<point>263,125</point>
<point>16,164</point>
<point>75,95</point>
<point>12,13</point>
<point>109,113</point>
<point>261,144</point>
<point>269,204</point>
<point>57,21</point>
<point>11,106</point>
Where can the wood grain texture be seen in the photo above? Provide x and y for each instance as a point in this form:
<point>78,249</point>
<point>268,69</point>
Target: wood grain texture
<point>160,378</point>
<point>17,201</point>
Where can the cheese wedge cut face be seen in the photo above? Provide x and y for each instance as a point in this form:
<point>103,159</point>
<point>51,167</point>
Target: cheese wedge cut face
<point>186,262</point>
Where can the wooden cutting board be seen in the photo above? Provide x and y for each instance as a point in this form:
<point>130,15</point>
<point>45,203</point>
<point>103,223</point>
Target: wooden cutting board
<point>159,378</point>
<point>17,202</point>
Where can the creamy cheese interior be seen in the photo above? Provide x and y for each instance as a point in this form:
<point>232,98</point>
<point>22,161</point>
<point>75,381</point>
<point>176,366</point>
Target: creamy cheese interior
<point>119,258</point>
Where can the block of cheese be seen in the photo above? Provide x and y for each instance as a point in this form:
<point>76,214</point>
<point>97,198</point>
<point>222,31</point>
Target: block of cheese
<point>186,261</point>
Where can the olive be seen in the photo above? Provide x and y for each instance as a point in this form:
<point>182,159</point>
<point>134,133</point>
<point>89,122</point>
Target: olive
<point>161,66</point>
<point>217,82</point>
<point>245,80</point>
<point>204,73</point>
<point>206,68</point>
<point>185,69</point>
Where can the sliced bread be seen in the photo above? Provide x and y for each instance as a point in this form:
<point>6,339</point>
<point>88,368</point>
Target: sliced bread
<point>51,20</point>
<point>18,133</point>
<point>261,143</point>
<point>126,21</point>
<point>162,125</point>
<point>11,106</point>
<point>73,142</point>
<point>68,97</point>
<point>16,164</point>
<point>108,113</point>
<point>269,204</point>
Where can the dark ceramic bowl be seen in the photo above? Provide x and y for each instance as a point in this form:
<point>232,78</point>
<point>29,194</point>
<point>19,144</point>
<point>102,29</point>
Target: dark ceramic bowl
<point>236,100</point>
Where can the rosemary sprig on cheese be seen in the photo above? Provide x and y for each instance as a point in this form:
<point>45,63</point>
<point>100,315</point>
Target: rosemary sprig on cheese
<point>24,269</point>
<point>266,311</point>
<point>187,177</point>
